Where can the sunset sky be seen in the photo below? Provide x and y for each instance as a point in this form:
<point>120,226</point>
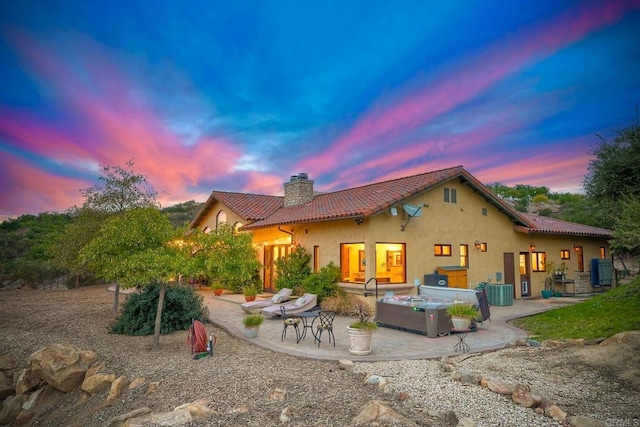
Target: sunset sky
<point>240,95</point>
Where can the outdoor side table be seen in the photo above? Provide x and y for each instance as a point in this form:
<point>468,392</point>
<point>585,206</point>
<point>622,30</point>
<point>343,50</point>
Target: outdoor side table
<point>462,344</point>
<point>306,324</point>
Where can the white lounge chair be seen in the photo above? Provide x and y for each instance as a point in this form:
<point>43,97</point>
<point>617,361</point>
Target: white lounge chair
<point>282,296</point>
<point>304,303</point>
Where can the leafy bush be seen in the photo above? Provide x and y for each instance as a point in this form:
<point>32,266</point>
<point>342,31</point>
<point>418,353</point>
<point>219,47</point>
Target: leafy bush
<point>324,282</point>
<point>181,305</point>
<point>293,269</point>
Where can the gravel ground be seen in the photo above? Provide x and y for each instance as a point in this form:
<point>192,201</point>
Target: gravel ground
<point>318,394</point>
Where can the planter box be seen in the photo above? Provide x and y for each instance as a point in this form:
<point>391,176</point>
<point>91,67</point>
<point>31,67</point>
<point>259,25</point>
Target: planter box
<point>500,294</point>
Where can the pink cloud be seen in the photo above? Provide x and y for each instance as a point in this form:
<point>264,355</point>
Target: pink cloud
<point>27,189</point>
<point>564,164</point>
<point>462,81</point>
<point>116,125</point>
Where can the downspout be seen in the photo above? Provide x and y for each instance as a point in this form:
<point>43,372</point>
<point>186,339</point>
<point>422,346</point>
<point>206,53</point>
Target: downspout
<point>290,233</point>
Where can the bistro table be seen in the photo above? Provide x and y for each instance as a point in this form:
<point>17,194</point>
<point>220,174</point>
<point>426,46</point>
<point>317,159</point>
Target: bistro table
<point>306,324</point>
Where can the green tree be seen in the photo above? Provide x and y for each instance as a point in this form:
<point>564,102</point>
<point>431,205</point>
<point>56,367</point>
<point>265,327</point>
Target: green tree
<point>138,248</point>
<point>626,235</point>
<point>119,190</point>
<point>614,173</point>
<point>77,234</point>
<point>225,257</point>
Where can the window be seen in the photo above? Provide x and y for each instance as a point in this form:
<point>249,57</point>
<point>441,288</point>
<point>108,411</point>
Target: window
<point>485,212</point>
<point>603,252</point>
<point>207,230</point>
<point>390,263</point>
<point>538,261</point>
<point>442,250</point>
<point>352,262</point>
<point>221,218</point>
<point>565,254</point>
<point>236,226</point>
<point>464,255</point>
<point>450,195</point>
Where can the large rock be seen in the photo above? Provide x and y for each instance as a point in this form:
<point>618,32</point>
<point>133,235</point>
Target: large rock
<point>116,388</point>
<point>27,381</point>
<point>61,366</point>
<point>98,382</point>
<point>11,407</point>
<point>522,395</point>
<point>6,387</point>
<point>42,399</point>
<point>376,413</point>
<point>630,338</point>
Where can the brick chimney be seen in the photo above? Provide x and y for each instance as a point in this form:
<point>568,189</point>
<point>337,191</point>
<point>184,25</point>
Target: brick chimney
<point>298,191</point>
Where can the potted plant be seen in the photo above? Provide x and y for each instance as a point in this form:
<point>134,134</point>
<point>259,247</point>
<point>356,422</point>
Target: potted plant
<point>461,315</point>
<point>252,324</point>
<point>250,292</point>
<point>217,288</point>
<point>361,331</point>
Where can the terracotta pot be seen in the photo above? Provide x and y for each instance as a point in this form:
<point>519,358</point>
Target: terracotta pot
<point>217,292</point>
<point>250,298</point>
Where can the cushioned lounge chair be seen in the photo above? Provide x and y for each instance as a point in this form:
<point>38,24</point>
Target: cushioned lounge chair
<point>282,296</point>
<point>304,303</point>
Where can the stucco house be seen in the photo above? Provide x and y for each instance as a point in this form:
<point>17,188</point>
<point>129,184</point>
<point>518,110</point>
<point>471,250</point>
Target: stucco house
<point>406,230</point>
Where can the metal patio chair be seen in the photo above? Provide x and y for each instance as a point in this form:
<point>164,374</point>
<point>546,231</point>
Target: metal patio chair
<point>325,323</point>
<point>289,320</point>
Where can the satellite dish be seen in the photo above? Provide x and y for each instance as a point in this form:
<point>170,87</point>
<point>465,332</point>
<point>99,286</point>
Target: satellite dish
<point>412,210</point>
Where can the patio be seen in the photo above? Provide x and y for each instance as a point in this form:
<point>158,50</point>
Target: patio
<point>387,343</point>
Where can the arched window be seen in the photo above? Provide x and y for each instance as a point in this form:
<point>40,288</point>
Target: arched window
<point>236,226</point>
<point>207,230</point>
<point>221,218</point>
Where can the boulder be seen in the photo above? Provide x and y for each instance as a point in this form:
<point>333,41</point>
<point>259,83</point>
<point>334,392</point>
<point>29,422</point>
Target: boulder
<point>345,364</point>
<point>500,388</point>
<point>630,338</point>
<point>98,382</point>
<point>42,399</point>
<point>61,366</point>
<point>6,387</point>
<point>116,388</point>
<point>11,407</point>
<point>199,408</point>
<point>26,382</point>
<point>376,413</point>
<point>556,413</point>
<point>7,362</point>
<point>466,376</point>
<point>120,420</point>
<point>522,396</point>
<point>137,382</point>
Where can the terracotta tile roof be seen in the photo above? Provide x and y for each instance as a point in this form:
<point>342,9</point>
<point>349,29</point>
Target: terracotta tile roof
<point>546,225</point>
<point>367,200</point>
<point>263,211</point>
<point>251,207</point>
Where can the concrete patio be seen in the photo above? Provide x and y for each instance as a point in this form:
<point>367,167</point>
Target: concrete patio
<point>387,343</point>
